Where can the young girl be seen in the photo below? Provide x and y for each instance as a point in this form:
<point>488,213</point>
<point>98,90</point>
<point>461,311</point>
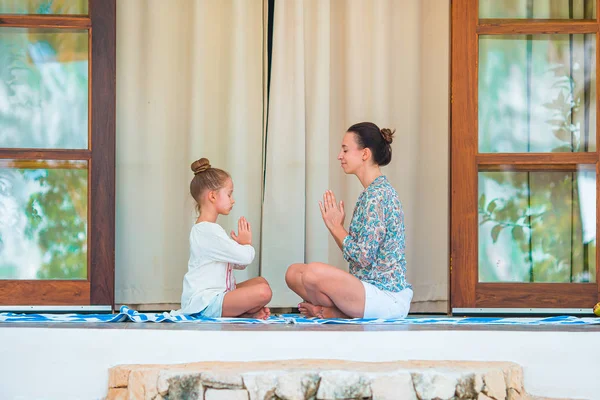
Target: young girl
<point>209,287</point>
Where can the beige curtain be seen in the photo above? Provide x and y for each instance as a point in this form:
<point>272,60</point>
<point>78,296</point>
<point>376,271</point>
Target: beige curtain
<point>336,63</point>
<point>429,251</point>
<point>189,85</point>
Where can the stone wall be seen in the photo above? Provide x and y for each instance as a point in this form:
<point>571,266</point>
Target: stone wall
<point>319,380</point>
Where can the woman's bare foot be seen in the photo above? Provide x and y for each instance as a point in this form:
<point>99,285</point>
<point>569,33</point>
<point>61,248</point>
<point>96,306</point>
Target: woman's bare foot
<point>310,310</point>
<point>263,313</point>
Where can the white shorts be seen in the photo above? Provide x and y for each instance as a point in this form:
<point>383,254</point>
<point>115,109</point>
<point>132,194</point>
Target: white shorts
<point>214,309</point>
<point>387,305</point>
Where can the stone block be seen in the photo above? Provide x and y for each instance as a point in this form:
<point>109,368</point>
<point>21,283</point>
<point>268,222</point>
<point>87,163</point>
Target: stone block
<point>469,386</point>
<point>180,385</point>
<point>185,387</point>
<point>435,385</point>
<point>225,394</point>
<point>142,384</point>
<point>494,385</point>
<point>297,386</point>
<point>514,378</point>
<point>343,385</point>
<point>222,380</point>
<point>260,386</point>
<point>118,377</point>
<point>117,394</point>
<point>512,394</point>
<point>393,387</point>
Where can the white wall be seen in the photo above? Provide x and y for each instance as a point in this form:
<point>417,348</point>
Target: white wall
<point>73,363</point>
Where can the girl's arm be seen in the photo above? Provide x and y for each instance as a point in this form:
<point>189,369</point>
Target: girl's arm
<point>222,248</point>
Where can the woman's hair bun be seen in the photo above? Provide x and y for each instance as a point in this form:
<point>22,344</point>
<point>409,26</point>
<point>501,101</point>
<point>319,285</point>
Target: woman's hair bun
<point>200,165</point>
<point>388,135</point>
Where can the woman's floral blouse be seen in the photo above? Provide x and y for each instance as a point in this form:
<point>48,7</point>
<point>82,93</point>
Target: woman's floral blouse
<point>375,245</point>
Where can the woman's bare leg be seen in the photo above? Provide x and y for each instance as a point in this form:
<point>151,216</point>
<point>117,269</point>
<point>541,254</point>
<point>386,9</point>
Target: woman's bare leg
<point>248,299</point>
<point>310,310</point>
<point>293,278</point>
<point>338,293</point>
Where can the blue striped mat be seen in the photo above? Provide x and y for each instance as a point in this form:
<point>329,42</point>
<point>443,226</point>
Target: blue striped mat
<point>126,314</point>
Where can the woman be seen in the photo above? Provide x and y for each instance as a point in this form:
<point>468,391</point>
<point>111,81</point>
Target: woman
<point>376,286</point>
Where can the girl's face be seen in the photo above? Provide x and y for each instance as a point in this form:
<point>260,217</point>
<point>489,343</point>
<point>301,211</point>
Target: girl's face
<point>224,198</point>
<point>351,156</point>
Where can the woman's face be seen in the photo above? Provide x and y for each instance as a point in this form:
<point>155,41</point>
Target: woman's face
<point>351,156</point>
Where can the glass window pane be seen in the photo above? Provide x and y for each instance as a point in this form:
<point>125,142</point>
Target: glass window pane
<point>61,7</point>
<point>43,88</point>
<point>540,9</point>
<point>43,219</point>
<point>537,226</point>
<point>537,93</point>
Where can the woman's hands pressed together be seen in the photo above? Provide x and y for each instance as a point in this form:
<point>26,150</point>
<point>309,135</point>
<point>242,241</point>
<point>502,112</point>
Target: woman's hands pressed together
<point>244,235</point>
<point>333,213</point>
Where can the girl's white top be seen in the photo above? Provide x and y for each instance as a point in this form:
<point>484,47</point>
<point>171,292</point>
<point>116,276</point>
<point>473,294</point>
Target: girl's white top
<point>213,256</point>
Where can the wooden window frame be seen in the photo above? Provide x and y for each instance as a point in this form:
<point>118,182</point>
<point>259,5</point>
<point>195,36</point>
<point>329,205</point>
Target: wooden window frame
<point>99,287</point>
<point>466,292</point>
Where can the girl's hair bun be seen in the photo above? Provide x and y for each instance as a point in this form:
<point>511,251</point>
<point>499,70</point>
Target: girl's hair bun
<point>200,165</point>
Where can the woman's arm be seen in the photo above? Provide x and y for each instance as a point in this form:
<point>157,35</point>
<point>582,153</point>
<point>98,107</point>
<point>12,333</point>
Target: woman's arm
<point>339,234</point>
<point>333,216</point>
<point>362,247</point>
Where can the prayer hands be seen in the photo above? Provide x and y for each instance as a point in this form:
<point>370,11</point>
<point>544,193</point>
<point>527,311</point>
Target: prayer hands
<point>244,235</point>
<point>332,213</point>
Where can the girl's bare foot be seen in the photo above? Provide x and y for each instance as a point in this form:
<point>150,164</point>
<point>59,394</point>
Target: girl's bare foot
<point>263,313</point>
<point>310,310</point>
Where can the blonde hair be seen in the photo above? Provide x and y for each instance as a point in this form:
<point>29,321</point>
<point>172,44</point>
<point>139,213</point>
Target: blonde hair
<point>206,178</point>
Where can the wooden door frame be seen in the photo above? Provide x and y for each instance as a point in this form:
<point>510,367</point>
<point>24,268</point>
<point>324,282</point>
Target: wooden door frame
<point>99,288</point>
<point>466,292</point>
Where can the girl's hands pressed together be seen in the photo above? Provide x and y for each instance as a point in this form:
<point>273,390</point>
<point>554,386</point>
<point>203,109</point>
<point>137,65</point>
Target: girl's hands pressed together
<point>244,235</point>
<point>333,214</point>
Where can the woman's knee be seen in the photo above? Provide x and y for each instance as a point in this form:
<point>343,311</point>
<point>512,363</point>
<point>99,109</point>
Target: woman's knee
<point>312,275</point>
<point>293,272</point>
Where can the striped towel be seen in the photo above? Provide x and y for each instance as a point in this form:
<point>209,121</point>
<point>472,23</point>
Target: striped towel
<point>126,314</point>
